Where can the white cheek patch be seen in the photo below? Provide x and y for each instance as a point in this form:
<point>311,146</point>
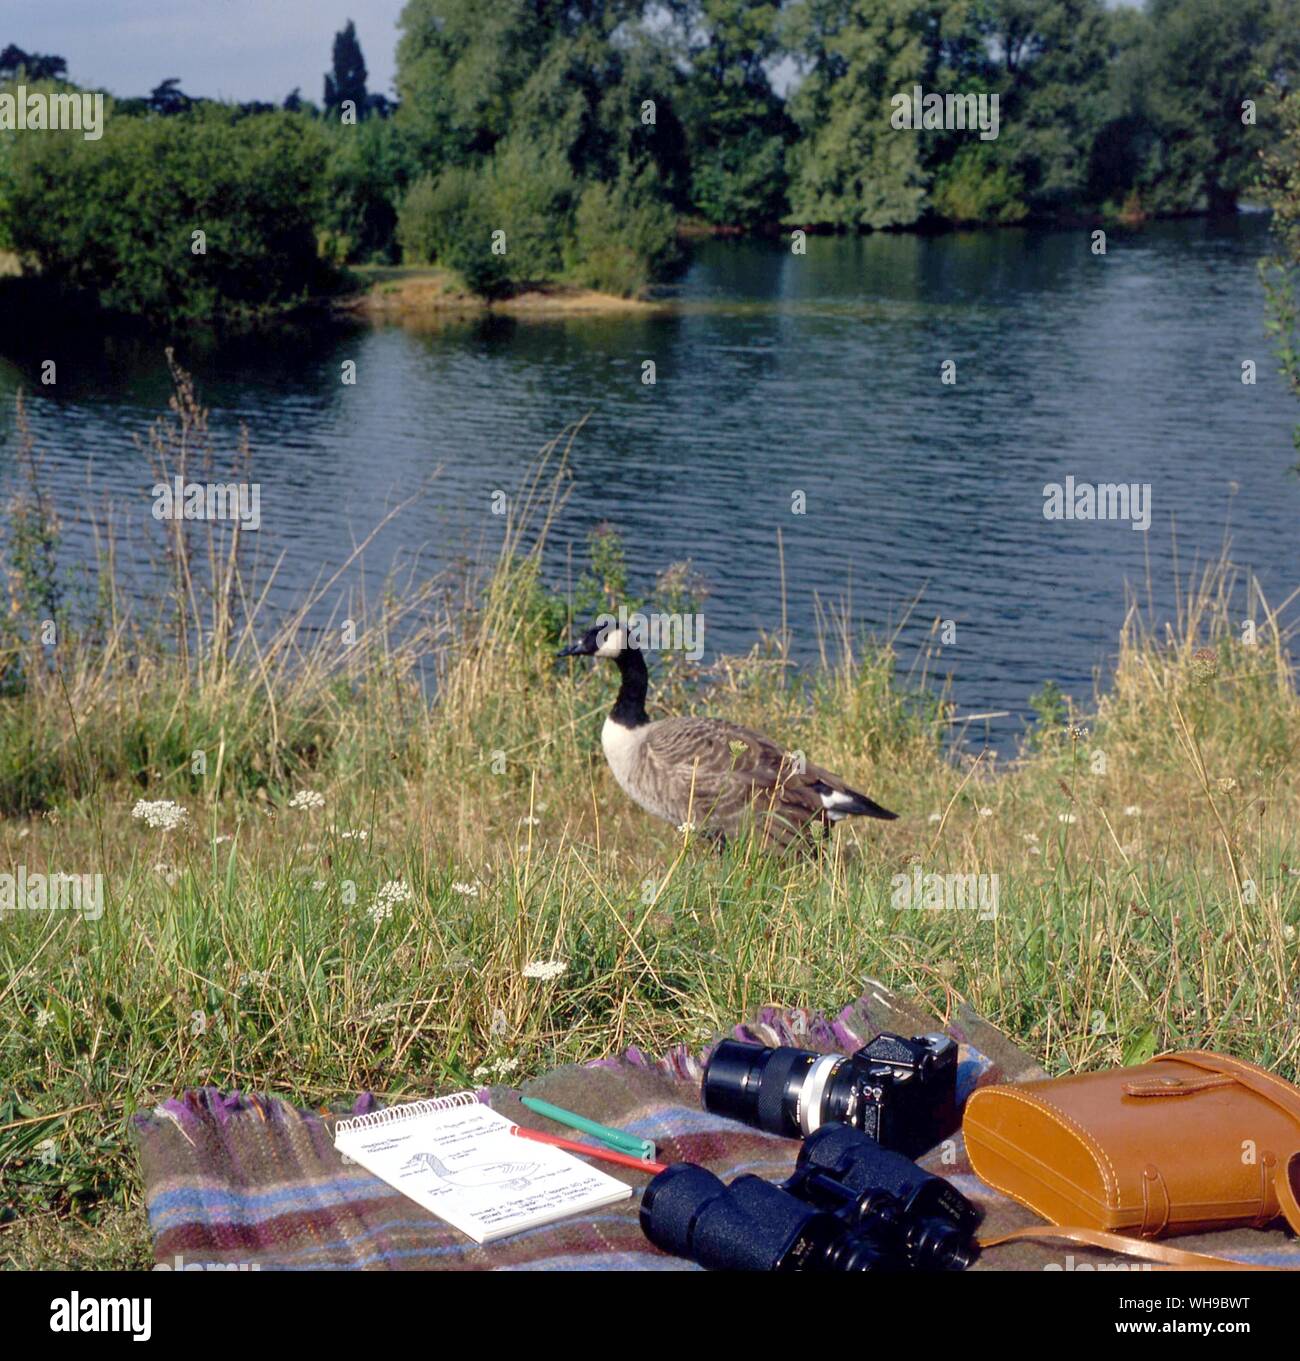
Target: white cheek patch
<point>612,645</point>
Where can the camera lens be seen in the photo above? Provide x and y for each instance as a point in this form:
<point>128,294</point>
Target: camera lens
<point>783,1091</point>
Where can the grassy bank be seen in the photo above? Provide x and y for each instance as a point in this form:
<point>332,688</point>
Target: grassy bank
<point>396,291</point>
<point>367,863</point>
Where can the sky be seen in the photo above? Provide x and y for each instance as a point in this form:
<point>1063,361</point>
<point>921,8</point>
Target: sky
<point>220,49</point>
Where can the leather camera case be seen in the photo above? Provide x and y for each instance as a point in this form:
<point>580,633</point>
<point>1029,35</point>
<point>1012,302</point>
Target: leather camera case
<point>1189,1141</point>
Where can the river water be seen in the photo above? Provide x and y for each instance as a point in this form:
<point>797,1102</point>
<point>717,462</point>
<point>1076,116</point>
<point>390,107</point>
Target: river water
<point>793,393</point>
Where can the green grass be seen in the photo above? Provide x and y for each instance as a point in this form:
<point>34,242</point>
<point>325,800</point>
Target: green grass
<point>1147,900</point>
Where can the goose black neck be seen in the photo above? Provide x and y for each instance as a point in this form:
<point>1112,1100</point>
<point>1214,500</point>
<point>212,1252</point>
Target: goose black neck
<point>629,707</point>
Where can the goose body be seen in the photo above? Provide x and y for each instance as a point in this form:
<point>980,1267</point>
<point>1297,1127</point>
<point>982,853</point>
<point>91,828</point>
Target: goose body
<point>708,772</point>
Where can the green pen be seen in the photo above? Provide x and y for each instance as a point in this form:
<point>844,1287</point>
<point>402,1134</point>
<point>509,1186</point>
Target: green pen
<point>615,1138</point>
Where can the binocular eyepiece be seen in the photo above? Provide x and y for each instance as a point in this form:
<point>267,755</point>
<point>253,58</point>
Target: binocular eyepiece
<point>850,1205</point>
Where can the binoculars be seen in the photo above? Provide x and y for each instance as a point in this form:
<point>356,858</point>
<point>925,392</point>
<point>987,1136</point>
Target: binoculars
<point>850,1205</point>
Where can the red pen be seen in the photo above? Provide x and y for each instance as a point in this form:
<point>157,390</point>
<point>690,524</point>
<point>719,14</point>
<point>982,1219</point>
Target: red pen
<point>590,1150</point>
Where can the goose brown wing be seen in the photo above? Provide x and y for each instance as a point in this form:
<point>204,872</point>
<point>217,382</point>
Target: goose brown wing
<point>713,770</point>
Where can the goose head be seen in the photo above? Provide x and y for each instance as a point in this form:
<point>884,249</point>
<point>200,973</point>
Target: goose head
<point>603,640</point>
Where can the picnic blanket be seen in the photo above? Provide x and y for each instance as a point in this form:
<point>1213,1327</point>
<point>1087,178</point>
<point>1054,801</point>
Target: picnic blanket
<point>246,1181</point>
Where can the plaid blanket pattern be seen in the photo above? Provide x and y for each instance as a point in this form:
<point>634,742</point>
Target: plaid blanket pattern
<point>244,1181</point>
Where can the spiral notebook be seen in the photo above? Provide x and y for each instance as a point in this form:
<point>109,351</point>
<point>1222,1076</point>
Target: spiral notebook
<point>456,1157</point>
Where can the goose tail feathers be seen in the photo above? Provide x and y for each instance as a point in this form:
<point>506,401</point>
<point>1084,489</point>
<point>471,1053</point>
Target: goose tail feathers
<point>848,803</point>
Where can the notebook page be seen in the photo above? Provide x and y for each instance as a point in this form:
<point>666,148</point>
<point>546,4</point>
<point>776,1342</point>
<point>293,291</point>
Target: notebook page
<point>462,1163</point>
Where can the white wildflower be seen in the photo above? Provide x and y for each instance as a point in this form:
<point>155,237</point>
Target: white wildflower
<point>1066,817</point>
<point>395,891</point>
<point>530,822</point>
<point>169,872</point>
<point>43,1018</point>
<point>986,812</point>
<point>686,828</point>
<point>465,890</point>
<point>161,813</point>
<point>307,798</point>
<point>497,1069</point>
<point>545,968</point>
<point>936,817</point>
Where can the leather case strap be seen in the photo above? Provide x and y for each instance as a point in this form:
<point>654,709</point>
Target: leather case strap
<point>1272,1089</point>
<point>1169,1258</point>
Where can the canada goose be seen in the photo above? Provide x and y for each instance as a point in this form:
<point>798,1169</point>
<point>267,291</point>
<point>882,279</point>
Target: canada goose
<point>708,771</point>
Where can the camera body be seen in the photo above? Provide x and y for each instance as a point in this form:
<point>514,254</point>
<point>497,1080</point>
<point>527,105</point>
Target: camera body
<point>850,1205</point>
<point>901,1092</point>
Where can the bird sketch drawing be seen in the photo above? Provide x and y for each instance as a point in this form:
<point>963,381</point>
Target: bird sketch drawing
<point>511,1175</point>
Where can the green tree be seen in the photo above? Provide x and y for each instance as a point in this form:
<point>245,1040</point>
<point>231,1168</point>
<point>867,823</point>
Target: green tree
<point>118,217</point>
<point>1050,68</point>
<point>168,98</point>
<point>499,226</point>
<point>738,131</point>
<point>1179,131</point>
<point>459,65</point>
<point>347,81</point>
<point>974,188</point>
<point>33,66</point>
<point>1279,182</point>
<point>624,236</point>
<point>539,101</point>
<point>851,168</point>
<point>367,170</point>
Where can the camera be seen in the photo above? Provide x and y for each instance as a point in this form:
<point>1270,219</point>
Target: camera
<point>850,1205</point>
<point>903,1093</point>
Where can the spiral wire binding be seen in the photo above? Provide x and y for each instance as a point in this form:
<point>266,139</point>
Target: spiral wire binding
<point>392,1115</point>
